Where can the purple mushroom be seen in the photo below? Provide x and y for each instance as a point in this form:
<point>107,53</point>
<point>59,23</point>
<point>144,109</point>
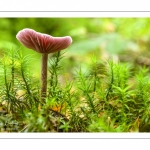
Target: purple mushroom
<point>45,44</point>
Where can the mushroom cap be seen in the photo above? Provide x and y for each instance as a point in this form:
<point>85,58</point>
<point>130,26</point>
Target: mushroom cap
<point>42,43</point>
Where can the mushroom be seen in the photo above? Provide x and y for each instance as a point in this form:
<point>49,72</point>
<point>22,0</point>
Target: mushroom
<point>44,44</point>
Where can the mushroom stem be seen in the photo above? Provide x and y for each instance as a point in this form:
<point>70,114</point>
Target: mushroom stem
<point>44,76</point>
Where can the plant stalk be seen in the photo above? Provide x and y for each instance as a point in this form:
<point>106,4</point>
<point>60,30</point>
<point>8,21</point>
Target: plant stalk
<point>44,77</point>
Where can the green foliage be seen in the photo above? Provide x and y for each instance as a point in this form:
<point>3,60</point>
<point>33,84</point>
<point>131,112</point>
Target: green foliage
<point>102,101</point>
<point>17,92</point>
<point>96,101</point>
<point>105,92</point>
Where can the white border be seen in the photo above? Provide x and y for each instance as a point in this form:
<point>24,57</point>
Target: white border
<point>67,141</point>
<point>69,144</point>
<point>74,8</point>
<point>75,135</point>
<point>74,5</point>
<point>71,14</point>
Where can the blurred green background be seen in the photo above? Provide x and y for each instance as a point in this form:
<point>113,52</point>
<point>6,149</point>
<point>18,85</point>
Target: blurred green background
<point>124,39</point>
